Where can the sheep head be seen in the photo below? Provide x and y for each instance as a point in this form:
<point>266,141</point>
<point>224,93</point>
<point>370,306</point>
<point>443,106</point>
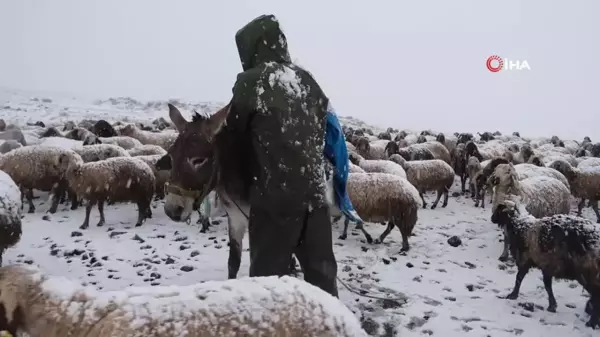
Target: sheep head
<point>504,213</point>
<point>565,168</point>
<point>12,317</point>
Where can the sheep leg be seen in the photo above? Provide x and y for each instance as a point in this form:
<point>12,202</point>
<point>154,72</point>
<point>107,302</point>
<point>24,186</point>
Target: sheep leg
<point>143,208</point>
<point>101,211</point>
<point>523,270</point>
<point>423,199</point>
<point>437,199</point>
<point>57,193</point>
<point>88,210</point>
<point>446,192</point>
<point>580,206</point>
<point>483,192</point>
<point>364,231</point>
<point>595,303</point>
<point>385,233</point>
<point>548,285</point>
<point>463,180</point>
<point>595,208</point>
<point>74,200</point>
<point>29,196</point>
<point>345,231</point>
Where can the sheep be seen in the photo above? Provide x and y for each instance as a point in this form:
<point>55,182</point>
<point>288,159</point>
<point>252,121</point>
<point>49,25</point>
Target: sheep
<point>160,123</point>
<point>14,134</point>
<point>413,152</point>
<point>39,167</point>
<point>355,168</point>
<point>41,305</point>
<point>114,179</point>
<point>69,125</point>
<point>584,182</point>
<point>589,162</point>
<point>2,125</point>
<point>384,135</point>
<point>542,196</point>
<point>9,145</point>
<point>161,176</point>
<point>493,149</point>
<point>162,139</point>
<point>61,142</point>
<point>99,152</point>
<point>377,166</point>
<point>525,171</point>
<point>459,165</point>
<point>450,144</point>
<point>428,175</point>
<point>125,142</point>
<point>10,213</point>
<point>78,133</point>
<point>147,150</point>
<point>380,197</point>
<point>438,150</point>
<point>562,246</point>
<point>103,129</point>
<point>481,179</point>
<point>51,132</point>
<point>473,167</point>
<point>371,150</point>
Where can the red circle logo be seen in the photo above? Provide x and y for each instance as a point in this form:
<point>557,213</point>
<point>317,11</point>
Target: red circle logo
<point>497,60</point>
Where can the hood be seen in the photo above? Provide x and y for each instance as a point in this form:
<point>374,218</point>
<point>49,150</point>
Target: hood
<point>261,40</point>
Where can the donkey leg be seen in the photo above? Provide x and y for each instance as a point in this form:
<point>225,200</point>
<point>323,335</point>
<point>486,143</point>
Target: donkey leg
<point>237,224</point>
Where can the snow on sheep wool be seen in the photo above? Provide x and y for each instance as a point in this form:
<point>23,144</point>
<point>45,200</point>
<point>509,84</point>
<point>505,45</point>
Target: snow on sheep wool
<point>44,306</point>
<point>10,213</point>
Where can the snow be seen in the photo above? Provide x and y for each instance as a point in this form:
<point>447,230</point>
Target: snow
<point>285,77</point>
<point>10,197</point>
<point>447,290</point>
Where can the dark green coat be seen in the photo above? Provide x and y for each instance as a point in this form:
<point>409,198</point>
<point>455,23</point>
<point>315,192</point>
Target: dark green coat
<point>280,111</point>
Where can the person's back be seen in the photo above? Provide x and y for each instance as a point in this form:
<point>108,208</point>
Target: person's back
<point>281,111</point>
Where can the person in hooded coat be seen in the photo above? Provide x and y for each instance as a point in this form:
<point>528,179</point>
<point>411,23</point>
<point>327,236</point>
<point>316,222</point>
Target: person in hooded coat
<point>280,112</point>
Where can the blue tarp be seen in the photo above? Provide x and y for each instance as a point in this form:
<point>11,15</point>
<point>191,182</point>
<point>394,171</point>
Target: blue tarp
<point>337,153</point>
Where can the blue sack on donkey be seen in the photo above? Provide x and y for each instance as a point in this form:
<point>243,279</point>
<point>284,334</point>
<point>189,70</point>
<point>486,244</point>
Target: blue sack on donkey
<point>337,154</point>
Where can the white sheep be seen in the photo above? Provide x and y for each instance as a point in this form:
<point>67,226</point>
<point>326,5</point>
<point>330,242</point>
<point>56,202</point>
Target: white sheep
<point>61,142</point>
<point>473,167</point>
<point>584,182</point>
<point>381,197</point>
<point>10,213</point>
<point>428,175</point>
<point>114,180</point>
<point>44,306</point>
<point>529,170</point>
<point>90,153</point>
<point>355,168</point>
<point>371,150</point>
<point>541,195</point>
<point>163,139</point>
<point>376,166</point>
<point>147,150</point>
<point>588,162</point>
<point>39,167</point>
<point>9,145</point>
<point>162,176</point>
<point>123,141</point>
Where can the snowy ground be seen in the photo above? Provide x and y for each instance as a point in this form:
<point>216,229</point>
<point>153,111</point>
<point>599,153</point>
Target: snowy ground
<point>437,289</point>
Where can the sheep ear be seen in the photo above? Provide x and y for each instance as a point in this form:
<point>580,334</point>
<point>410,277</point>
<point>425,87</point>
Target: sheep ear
<point>176,118</point>
<point>216,122</point>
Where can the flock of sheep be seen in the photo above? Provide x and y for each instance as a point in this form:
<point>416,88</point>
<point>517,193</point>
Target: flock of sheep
<point>532,183</point>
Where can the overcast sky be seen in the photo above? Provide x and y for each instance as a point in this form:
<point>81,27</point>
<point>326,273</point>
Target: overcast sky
<point>407,64</point>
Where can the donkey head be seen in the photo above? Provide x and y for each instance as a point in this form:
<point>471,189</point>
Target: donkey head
<point>192,160</point>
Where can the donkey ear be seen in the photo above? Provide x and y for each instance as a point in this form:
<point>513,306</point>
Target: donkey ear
<point>176,118</point>
<point>216,122</point>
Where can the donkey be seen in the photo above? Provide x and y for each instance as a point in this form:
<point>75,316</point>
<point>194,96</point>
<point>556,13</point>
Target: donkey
<point>200,160</point>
